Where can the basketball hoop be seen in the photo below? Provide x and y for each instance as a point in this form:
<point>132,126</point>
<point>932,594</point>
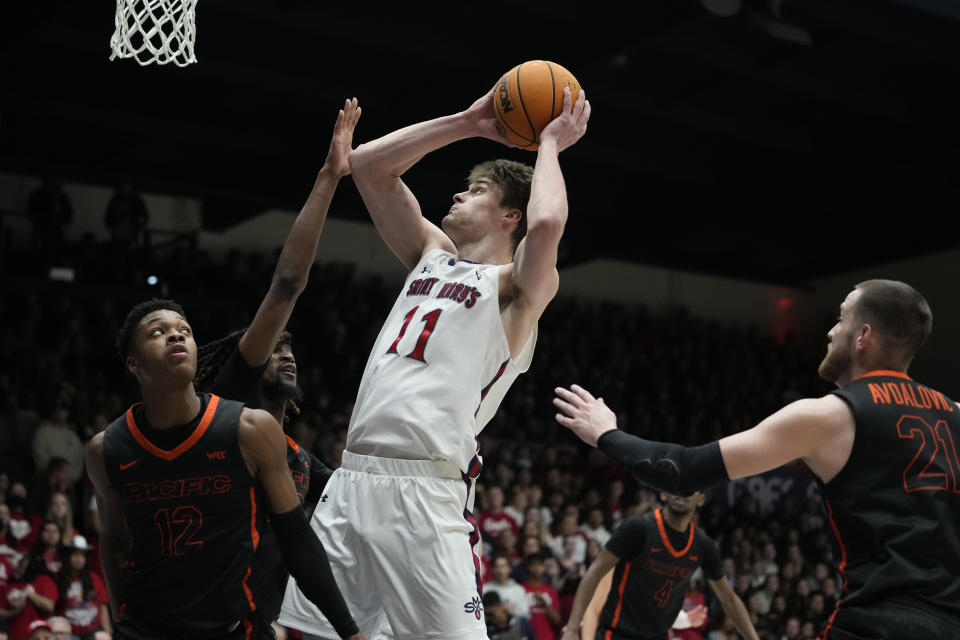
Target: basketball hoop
<point>160,31</point>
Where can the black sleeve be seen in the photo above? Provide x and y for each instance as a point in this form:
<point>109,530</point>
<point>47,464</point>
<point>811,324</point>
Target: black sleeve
<point>668,467</point>
<point>238,381</point>
<point>710,559</point>
<point>319,475</point>
<point>305,557</point>
<point>628,539</point>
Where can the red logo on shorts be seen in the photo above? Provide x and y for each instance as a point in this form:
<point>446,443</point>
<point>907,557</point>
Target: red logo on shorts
<point>475,607</point>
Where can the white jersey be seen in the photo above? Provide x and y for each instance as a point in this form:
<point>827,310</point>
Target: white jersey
<point>440,366</point>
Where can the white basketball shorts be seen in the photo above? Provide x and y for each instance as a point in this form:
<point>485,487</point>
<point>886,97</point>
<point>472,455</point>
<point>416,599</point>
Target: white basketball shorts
<point>400,538</point>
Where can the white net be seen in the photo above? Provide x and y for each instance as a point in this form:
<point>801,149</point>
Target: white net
<point>160,31</point>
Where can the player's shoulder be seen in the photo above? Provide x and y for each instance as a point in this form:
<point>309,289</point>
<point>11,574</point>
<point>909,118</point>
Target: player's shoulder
<point>634,523</point>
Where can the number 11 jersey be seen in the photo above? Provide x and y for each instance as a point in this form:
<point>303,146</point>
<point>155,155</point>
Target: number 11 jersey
<point>439,368</point>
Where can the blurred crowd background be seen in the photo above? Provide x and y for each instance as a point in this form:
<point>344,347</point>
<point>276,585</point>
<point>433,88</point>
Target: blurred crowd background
<point>546,503</point>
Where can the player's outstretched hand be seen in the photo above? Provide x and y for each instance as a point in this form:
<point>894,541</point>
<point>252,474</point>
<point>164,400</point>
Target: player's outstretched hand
<point>586,416</point>
<point>697,616</point>
<point>571,124</point>
<point>480,117</point>
<point>342,141</point>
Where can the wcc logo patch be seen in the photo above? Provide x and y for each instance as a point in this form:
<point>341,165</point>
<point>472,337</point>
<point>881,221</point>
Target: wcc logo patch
<point>475,607</point>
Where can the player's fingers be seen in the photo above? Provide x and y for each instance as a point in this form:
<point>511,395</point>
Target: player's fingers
<point>581,102</point>
<point>566,394</point>
<point>582,393</point>
<point>564,420</point>
<point>564,406</point>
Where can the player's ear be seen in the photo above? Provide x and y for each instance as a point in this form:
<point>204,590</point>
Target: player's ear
<point>512,215</point>
<point>865,336</point>
<point>701,499</point>
<point>132,365</point>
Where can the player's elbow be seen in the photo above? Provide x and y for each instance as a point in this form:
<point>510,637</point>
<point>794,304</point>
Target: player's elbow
<point>288,285</point>
<point>362,161</point>
<point>547,227</point>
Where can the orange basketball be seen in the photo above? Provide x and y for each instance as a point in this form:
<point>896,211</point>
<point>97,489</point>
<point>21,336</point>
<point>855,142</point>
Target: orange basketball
<point>529,96</point>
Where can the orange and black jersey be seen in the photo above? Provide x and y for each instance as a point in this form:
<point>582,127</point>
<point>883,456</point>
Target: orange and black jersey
<point>238,380</point>
<point>195,515</point>
<point>651,578</point>
<point>895,506</point>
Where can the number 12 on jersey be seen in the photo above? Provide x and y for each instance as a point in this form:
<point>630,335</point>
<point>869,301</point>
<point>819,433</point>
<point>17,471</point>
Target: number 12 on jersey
<point>429,323</point>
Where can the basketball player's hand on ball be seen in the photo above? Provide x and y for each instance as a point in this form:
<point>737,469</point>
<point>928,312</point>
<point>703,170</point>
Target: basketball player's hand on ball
<point>586,416</point>
<point>480,116</point>
<point>571,124</point>
<point>342,141</point>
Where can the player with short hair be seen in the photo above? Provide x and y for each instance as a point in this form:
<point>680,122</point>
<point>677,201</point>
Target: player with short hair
<point>397,522</point>
<point>184,482</point>
<point>653,557</point>
<point>883,447</point>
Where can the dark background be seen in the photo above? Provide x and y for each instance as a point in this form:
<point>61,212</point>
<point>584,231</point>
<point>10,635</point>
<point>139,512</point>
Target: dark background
<point>788,141</point>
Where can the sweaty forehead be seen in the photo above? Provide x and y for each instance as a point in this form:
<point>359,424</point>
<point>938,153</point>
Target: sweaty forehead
<point>849,302</point>
<point>161,315</point>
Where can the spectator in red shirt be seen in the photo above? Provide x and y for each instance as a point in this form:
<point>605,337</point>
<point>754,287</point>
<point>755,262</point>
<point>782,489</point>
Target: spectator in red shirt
<point>83,595</point>
<point>45,556</point>
<point>543,600</point>
<point>27,598</point>
<point>494,520</point>
<point>24,527</point>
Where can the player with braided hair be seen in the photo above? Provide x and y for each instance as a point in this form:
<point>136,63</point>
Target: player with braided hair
<point>256,365</point>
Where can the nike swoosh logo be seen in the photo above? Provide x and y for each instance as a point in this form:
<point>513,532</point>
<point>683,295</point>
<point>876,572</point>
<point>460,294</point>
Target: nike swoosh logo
<point>127,465</point>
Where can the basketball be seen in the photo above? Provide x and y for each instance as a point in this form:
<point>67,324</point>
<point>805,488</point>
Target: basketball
<point>529,96</point>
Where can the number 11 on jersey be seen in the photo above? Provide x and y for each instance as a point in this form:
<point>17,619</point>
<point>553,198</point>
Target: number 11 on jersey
<point>429,323</point>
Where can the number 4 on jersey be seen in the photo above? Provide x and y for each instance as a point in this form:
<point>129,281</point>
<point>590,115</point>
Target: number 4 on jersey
<point>429,322</point>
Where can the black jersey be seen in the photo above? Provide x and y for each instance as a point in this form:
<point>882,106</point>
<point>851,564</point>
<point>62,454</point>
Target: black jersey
<point>239,381</point>
<point>195,514</point>
<point>895,506</point>
<point>651,578</point>
<point>236,379</point>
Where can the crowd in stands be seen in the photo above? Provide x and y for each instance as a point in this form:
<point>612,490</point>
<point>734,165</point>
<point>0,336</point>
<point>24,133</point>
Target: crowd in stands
<point>546,503</point>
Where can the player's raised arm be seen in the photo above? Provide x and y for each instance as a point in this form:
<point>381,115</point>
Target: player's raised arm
<point>535,276</point>
<point>264,447</point>
<point>115,542</point>
<point>806,429</point>
<point>300,248</point>
<point>377,165</point>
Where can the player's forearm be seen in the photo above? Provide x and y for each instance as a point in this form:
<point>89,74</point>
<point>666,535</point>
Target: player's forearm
<point>668,467</point>
<point>548,192</point>
<point>735,608</point>
<point>585,591</point>
<point>111,560</point>
<point>307,561</point>
<point>300,248</point>
<point>394,153</point>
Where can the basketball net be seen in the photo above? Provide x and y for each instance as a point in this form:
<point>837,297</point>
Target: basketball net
<point>158,31</point>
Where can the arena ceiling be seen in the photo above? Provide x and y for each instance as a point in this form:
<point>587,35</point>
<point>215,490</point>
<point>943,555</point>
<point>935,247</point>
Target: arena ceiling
<point>777,141</point>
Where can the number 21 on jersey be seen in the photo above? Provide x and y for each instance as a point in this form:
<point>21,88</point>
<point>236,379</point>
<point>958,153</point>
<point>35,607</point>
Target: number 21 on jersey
<point>429,324</point>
